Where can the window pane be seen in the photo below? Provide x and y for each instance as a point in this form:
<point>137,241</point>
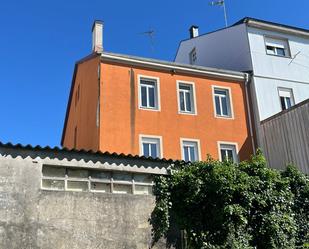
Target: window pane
<point>101,187</point>
<point>186,153</point>
<point>77,186</point>
<point>182,101</point>
<point>122,189</point>
<point>270,50</point>
<point>223,155</point>
<point>188,101</point>
<point>185,87</point>
<point>102,175</point>
<point>53,171</point>
<point>230,155</point>
<point>78,173</point>
<point>122,176</point>
<point>192,154</point>
<point>224,106</point>
<point>146,149</point>
<point>220,92</point>
<point>280,51</point>
<point>53,184</point>
<point>143,190</point>
<point>154,152</point>
<point>282,103</point>
<point>143,178</point>
<point>144,96</point>
<point>151,96</point>
<point>218,108</point>
<point>288,102</point>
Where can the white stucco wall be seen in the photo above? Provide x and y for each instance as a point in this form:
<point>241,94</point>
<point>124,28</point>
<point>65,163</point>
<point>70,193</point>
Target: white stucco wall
<point>268,98</point>
<point>271,72</point>
<point>227,49</point>
<point>275,66</point>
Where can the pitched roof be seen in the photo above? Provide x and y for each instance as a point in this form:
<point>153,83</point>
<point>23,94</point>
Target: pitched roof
<point>177,67</point>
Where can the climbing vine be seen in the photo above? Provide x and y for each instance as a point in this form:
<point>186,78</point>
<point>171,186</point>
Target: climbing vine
<point>226,205</point>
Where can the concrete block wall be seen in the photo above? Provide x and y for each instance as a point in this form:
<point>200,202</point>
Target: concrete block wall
<point>34,218</point>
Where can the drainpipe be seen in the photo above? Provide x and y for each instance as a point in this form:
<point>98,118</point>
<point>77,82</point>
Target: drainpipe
<point>247,81</point>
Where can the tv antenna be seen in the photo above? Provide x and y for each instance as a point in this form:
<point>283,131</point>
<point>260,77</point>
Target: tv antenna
<point>150,33</point>
<point>220,3</point>
<point>293,58</point>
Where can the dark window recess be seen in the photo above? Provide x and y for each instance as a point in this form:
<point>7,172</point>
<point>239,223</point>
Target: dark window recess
<point>285,103</point>
<point>280,51</point>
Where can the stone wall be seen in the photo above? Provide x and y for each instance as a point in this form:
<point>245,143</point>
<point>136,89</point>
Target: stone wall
<point>34,218</point>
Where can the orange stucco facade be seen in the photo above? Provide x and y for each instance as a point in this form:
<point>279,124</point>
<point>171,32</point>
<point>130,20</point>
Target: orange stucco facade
<point>82,107</point>
<point>120,122</point>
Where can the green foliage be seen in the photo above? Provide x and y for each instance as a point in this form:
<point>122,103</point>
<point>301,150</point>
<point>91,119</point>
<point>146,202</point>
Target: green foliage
<point>299,184</point>
<point>226,205</point>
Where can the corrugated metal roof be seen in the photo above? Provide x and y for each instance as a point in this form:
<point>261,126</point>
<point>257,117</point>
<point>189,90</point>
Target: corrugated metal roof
<point>84,152</point>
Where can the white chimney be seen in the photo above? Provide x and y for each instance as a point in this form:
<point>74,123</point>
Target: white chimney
<point>97,36</point>
<point>193,31</point>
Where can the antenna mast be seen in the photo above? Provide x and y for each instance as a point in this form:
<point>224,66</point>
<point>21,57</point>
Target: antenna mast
<point>150,33</point>
<point>220,3</point>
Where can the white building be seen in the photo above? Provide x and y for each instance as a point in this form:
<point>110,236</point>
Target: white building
<point>276,54</point>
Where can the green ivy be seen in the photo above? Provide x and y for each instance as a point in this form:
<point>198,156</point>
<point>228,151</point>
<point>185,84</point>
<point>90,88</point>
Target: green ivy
<point>226,205</point>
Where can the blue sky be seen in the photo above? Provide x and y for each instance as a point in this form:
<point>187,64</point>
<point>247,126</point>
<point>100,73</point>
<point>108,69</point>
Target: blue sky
<point>40,41</point>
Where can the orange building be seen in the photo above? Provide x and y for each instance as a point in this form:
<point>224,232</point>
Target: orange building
<point>141,106</point>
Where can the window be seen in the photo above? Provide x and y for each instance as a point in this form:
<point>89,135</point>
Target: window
<point>228,152</point>
<point>151,147</point>
<point>279,47</point>
<point>222,102</point>
<point>186,99</point>
<point>90,180</point>
<point>190,150</point>
<point>193,56</point>
<point>148,93</point>
<point>286,98</point>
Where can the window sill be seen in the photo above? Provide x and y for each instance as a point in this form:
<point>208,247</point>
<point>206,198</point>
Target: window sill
<point>149,109</point>
<point>224,117</point>
<point>187,113</point>
<point>280,56</point>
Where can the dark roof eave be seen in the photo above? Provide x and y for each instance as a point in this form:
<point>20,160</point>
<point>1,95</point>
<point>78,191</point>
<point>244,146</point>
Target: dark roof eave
<point>289,29</point>
<point>153,63</point>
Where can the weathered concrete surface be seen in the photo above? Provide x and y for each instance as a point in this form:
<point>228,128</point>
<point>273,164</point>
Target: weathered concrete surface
<point>35,218</point>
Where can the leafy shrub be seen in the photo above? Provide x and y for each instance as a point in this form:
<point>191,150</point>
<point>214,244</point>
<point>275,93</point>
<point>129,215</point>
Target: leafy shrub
<point>226,205</point>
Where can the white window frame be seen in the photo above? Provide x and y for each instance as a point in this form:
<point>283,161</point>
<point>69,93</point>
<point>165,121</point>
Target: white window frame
<point>231,109</point>
<point>287,90</point>
<point>158,138</point>
<point>193,97</point>
<point>190,140</point>
<point>192,59</point>
<point>225,143</point>
<point>157,93</point>
<point>286,48</point>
